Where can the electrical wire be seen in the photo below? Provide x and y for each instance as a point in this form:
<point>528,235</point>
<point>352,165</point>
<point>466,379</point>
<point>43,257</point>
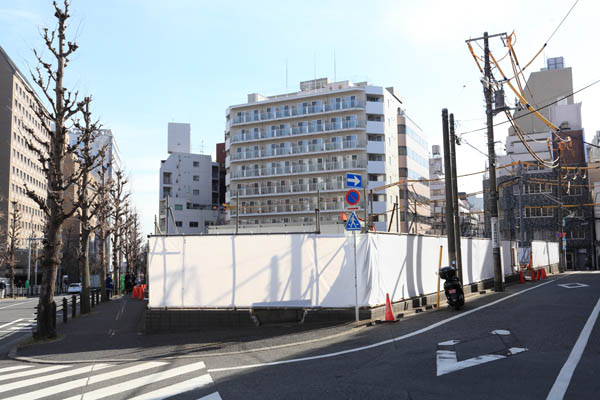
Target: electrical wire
<point>561,22</point>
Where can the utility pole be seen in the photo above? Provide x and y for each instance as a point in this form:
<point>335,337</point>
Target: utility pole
<point>406,205</point>
<point>521,210</point>
<point>455,199</point>
<point>493,203</point>
<point>562,254</point>
<point>448,180</point>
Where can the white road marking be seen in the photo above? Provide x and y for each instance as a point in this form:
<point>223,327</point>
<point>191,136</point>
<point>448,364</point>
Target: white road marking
<point>16,304</point>
<point>31,372</point>
<point>447,361</point>
<point>37,394</point>
<point>573,285</point>
<point>378,344</point>
<point>10,323</point>
<point>185,386</point>
<point>566,373</point>
<point>135,383</point>
<point>47,378</point>
<point>15,368</point>
<point>502,332</point>
<point>212,396</point>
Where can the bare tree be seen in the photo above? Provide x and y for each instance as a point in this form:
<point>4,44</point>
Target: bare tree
<point>133,242</point>
<point>103,187</point>
<point>86,202</point>
<point>49,76</point>
<point>118,197</point>
<point>11,242</point>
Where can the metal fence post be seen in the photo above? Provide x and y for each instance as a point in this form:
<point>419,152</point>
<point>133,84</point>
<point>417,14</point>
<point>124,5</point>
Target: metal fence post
<point>65,309</point>
<point>93,298</point>
<point>54,315</point>
<point>74,299</point>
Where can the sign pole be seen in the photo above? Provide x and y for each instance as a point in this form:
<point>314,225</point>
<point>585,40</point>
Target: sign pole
<point>355,279</point>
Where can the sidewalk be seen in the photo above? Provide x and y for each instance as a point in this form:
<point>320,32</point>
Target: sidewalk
<point>114,332</point>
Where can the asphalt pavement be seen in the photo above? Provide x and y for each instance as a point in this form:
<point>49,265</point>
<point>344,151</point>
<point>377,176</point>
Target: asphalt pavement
<point>536,340</point>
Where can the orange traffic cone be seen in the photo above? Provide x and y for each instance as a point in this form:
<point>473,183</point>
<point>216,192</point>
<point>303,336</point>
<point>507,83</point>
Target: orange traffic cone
<point>134,293</point>
<point>538,275</point>
<point>521,278</point>
<point>141,292</point>
<point>544,273</point>
<point>533,276</point>
<point>389,315</point>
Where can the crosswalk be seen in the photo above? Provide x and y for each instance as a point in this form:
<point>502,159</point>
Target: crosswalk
<point>150,380</point>
<point>19,325</point>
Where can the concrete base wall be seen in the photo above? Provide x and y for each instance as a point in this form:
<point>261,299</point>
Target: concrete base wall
<point>173,320</point>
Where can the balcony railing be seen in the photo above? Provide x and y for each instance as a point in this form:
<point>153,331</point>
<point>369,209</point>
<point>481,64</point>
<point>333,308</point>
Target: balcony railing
<point>294,188</point>
<point>299,168</point>
<point>306,207</point>
<point>296,111</point>
<point>299,130</point>
<point>299,149</point>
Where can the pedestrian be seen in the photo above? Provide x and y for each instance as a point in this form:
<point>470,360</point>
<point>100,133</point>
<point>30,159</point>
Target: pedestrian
<point>108,285</point>
<point>2,289</point>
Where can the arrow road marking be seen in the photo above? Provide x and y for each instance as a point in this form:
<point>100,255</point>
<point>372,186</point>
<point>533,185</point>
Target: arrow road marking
<point>447,361</point>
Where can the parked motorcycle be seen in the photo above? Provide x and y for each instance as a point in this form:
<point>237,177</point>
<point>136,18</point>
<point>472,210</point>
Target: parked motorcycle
<point>452,287</point>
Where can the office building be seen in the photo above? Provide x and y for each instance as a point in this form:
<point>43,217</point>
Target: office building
<point>19,166</point>
<point>528,196</point>
<point>189,186</point>
<point>287,155</point>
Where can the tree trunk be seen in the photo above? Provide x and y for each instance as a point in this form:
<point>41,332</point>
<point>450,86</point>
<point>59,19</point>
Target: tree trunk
<point>84,264</point>
<point>45,318</point>
<point>102,251</point>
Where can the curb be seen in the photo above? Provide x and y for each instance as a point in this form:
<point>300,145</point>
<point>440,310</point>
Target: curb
<point>172,355</point>
<point>12,354</point>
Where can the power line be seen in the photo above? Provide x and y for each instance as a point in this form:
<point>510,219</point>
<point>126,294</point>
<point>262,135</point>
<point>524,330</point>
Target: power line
<point>561,22</point>
<point>531,112</point>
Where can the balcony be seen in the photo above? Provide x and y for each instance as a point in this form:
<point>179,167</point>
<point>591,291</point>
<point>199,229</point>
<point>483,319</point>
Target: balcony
<point>376,167</point>
<point>264,134</point>
<point>296,112</point>
<point>299,150</point>
<point>291,208</point>
<point>374,107</point>
<point>303,168</point>
<point>376,147</point>
<point>375,127</point>
<point>298,188</point>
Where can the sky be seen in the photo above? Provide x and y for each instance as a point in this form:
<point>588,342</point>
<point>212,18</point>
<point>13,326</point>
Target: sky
<point>150,62</point>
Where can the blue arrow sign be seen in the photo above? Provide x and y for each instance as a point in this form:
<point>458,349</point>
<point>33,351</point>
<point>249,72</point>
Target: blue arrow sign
<point>353,223</point>
<point>353,180</point>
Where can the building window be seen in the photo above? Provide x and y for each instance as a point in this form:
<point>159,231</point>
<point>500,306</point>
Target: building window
<point>196,192</point>
<point>178,224</point>
<point>178,207</point>
<point>196,178</point>
<point>401,150</point>
<point>376,157</point>
<point>196,163</point>
<point>193,224</point>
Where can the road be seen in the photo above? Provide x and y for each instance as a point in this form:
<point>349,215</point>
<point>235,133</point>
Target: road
<point>17,319</point>
<point>535,341</point>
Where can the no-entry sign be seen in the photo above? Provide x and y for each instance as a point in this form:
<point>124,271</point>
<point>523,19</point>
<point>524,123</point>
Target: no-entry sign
<point>352,197</point>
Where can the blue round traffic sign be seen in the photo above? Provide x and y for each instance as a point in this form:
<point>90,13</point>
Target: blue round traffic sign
<point>352,197</point>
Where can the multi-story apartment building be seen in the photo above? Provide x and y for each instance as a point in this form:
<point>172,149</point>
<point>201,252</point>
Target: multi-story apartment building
<point>189,186</point>
<point>528,199</point>
<point>438,192</point>
<point>288,155</point>
<point>19,166</point>
<point>413,162</point>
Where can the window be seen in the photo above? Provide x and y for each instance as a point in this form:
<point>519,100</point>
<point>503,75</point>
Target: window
<point>401,150</point>
<point>196,192</point>
<point>178,224</point>
<point>196,163</point>
<point>375,138</point>
<point>196,178</point>
<point>193,224</point>
<point>178,207</point>
<point>376,157</point>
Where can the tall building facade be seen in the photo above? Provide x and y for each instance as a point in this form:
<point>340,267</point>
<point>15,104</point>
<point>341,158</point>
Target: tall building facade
<point>189,186</point>
<point>528,197</point>
<point>288,155</point>
<point>19,166</point>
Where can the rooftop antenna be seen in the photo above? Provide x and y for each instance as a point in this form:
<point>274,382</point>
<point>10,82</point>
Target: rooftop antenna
<point>286,75</point>
<point>334,68</point>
